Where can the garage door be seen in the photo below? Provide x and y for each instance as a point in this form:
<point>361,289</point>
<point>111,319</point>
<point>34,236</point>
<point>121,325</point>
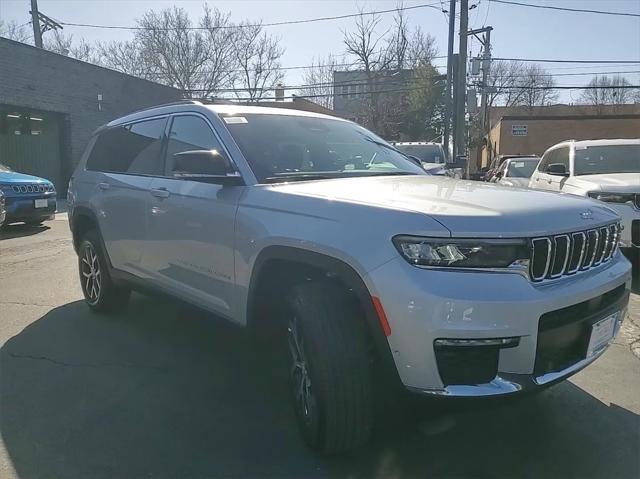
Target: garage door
<point>30,143</point>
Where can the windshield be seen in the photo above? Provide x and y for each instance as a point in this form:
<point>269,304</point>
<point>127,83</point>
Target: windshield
<point>522,168</point>
<point>4,168</point>
<point>426,153</point>
<point>594,160</point>
<point>288,147</point>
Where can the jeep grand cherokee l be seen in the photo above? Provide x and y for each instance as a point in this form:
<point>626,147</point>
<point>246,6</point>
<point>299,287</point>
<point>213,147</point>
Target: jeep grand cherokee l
<point>310,226</point>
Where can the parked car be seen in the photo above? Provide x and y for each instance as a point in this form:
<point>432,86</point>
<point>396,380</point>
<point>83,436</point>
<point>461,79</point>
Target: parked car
<point>516,171</point>
<point>28,199</point>
<point>430,154</point>
<point>497,163</point>
<point>607,170</point>
<point>311,230</point>
<point>3,210</point>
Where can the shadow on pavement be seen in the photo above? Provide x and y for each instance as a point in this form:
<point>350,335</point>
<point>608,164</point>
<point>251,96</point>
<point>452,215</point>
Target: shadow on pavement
<point>20,230</point>
<point>161,390</point>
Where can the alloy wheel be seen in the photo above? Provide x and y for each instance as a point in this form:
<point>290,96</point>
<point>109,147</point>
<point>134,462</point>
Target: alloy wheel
<point>299,373</point>
<point>91,274</point>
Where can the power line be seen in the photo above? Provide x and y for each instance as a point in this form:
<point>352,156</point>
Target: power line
<point>406,90</point>
<point>566,9</point>
<point>546,60</point>
<point>272,24</point>
<point>360,82</point>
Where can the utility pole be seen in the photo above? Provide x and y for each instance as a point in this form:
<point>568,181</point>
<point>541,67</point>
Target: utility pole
<point>449,105</point>
<point>459,135</point>
<point>35,21</point>
<point>486,66</point>
<point>41,23</point>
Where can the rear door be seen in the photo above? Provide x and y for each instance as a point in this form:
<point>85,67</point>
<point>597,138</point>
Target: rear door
<point>122,164</point>
<point>191,224</point>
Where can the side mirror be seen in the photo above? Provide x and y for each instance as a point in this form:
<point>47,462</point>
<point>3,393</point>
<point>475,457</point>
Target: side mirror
<point>205,166</point>
<point>557,169</point>
<point>499,175</point>
<point>416,160</point>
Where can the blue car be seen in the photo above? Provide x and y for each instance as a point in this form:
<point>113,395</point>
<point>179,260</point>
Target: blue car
<point>27,198</point>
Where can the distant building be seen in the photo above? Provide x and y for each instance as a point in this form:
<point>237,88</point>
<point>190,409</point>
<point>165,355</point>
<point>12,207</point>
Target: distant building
<point>524,130</point>
<point>50,105</point>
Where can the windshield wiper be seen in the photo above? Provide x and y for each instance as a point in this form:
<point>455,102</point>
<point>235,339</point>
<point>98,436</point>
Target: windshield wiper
<point>321,175</point>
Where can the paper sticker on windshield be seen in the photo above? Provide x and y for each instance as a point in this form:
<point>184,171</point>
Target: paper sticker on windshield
<point>518,164</point>
<point>581,147</point>
<point>234,120</point>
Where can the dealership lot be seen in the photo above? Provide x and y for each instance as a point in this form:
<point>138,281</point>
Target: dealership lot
<point>162,390</point>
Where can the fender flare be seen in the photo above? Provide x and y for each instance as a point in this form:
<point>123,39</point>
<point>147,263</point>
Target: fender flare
<point>349,276</point>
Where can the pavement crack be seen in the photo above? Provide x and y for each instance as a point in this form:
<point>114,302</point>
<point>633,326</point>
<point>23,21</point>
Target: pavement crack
<point>58,362</point>
<point>18,303</point>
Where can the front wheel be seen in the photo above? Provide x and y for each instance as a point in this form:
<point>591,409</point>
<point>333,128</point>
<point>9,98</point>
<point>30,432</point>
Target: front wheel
<point>100,292</point>
<point>329,374</point>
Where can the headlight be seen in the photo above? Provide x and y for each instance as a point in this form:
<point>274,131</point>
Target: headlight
<point>611,197</point>
<point>464,253</point>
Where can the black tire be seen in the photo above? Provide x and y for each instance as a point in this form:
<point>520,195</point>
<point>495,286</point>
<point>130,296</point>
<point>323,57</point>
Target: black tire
<point>34,222</point>
<point>332,338</point>
<point>100,292</point>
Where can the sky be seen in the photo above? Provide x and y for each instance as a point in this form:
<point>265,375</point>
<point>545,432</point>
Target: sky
<point>518,31</point>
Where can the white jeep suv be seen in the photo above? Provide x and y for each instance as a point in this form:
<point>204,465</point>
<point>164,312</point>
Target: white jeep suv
<point>607,170</point>
<point>311,229</point>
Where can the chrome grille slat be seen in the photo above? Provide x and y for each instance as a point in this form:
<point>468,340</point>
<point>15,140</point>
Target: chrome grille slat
<point>568,253</point>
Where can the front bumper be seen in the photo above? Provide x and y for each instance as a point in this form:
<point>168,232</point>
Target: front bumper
<point>424,305</point>
<point>22,208</point>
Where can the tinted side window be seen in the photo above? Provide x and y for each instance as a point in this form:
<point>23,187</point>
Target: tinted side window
<point>190,133</point>
<point>547,159</point>
<point>132,148</point>
<point>562,156</point>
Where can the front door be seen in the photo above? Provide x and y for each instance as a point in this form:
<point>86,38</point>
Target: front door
<point>191,225</point>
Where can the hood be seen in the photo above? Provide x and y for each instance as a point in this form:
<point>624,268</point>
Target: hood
<point>614,182</point>
<point>15,177</point>
<point>466,208</point>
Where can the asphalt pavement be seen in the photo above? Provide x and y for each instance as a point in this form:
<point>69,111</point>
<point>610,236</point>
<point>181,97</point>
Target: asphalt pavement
<point>163,390</point>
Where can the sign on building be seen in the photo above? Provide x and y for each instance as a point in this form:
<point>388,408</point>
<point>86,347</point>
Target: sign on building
<point>518,130</point>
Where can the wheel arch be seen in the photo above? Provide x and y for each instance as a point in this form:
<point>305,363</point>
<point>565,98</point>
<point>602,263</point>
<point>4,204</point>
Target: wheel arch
<point>313,265</point>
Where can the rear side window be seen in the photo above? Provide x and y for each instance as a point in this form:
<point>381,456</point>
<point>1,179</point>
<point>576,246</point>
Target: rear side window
<point>133,149</point>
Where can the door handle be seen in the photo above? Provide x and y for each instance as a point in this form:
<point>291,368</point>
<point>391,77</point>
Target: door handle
<point>160,192</point>
<point>104,186</point>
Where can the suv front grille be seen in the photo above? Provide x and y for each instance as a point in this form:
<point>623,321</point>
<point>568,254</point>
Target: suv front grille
<point>565,254</point>
<point>31,188</point>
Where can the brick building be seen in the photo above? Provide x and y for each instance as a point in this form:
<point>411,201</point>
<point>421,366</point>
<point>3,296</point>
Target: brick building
<point>50,105</point>
<point>522,130</point>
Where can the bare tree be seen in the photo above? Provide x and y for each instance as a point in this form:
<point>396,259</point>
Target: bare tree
<point>384,59</point>
<point>258,58</point>
<point>13,31</point>
<point>518,84</point>
<point>537,87</point>
<point>62,44</point>
<point>173,51</point>
<point>318,80</point>
<point>606,90</point>
<point>126,57</point>
<point>219,39</point>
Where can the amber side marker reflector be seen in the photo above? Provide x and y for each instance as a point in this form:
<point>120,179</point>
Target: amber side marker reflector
<point>382,317</point>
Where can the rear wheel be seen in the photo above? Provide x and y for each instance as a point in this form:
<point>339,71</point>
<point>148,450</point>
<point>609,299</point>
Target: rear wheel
<point>100,292</point>
<point>329,372</point>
